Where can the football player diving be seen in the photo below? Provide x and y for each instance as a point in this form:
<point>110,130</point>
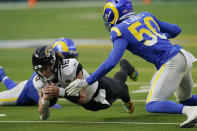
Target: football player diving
<point>24,93</point>
<point>55,73</point>
<point>147,37</point>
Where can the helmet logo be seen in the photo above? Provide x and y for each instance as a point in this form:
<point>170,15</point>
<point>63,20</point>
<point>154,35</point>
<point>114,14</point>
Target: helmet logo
<point>61,46</point>
<point>110,6</point>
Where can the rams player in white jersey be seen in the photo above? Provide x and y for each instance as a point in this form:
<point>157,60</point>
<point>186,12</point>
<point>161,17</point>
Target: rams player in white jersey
<point>55,74</point>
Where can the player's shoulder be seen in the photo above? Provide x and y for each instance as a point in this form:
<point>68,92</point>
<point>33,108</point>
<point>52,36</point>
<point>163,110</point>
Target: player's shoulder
<point>115,32</point>
<point>69,62</point>
<point>148,14</point>
<point>145,13</point>
<point>38,83</point>
<point>69,66</point>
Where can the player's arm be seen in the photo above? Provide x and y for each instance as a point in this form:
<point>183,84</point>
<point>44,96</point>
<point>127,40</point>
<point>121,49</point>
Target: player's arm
<point>115,55</point>
<point>82,92</point>
<point>43,109</point>
<point>170,30</point>
<point>119,47</point>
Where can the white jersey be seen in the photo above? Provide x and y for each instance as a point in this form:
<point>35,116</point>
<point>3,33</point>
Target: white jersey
<point>66,74</point>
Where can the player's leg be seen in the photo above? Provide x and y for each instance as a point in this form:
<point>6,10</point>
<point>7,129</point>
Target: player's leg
<point>126,70</point>
<point>164,83</point>
<point>184,92</point>
<point>6,80</point>
<point>185,97</point>
<point>115,90</point>
<point>10,97</point>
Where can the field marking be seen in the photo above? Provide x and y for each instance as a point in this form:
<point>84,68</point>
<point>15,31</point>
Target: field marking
<point>96,122</point>
<point>2,115</point>
<point>39,42</point>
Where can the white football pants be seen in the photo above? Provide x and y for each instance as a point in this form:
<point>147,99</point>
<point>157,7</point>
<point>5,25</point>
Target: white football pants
<point>9,97</point>
<point>173,77</point>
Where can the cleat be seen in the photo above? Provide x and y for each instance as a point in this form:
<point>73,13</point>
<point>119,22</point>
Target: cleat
<point>132,73</point>
<point>56,106</point>
<point>134,76</point>
<point>2,73</point>
<point>189,124</point>
<point>129,106</point>
<point>191,112</point>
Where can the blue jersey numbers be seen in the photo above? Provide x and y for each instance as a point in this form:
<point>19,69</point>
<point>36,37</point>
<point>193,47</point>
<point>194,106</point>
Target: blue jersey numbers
<point>138,29</point>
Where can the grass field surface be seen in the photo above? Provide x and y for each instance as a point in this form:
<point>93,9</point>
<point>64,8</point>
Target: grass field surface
<point>80,22</point>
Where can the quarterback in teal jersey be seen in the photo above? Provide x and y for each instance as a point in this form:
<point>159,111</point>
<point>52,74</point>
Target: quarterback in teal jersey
<point>144,35</point>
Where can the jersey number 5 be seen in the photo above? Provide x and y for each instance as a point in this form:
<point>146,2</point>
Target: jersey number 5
<point>151,32</point>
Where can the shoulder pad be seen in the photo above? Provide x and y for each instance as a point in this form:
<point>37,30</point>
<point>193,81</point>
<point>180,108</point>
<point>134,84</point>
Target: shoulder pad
<point>115,32</point>
<point>38,84</point>
<point>69,70</point>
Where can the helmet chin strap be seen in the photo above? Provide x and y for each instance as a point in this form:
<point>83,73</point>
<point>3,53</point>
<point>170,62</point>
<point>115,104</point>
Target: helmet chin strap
<point>50,79</point>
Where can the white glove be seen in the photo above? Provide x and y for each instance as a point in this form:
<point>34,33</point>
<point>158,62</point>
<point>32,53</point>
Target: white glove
<point>75,86</point>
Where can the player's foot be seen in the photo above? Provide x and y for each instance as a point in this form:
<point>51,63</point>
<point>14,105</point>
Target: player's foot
<point>132,73</point>
<point>128,106</point>
<point>2,73</point>
<point>134,76</point>
<point>56,106</point>
<point>191,112</point>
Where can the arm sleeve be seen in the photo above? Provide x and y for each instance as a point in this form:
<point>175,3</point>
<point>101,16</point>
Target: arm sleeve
<point>115,55</point>
<point>170,30</point>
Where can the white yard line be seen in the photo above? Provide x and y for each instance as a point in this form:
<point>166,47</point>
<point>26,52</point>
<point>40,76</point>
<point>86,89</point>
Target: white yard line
<point>96,122</point>
<point>2,115</point>
<point>40,42</point>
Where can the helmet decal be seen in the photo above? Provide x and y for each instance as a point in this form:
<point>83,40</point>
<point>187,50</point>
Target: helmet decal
<point>110,7</point>
<point>62,46</point>
<point>66,47</point>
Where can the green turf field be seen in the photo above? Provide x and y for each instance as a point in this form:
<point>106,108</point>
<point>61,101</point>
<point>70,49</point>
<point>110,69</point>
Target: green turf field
<point>87,23</point>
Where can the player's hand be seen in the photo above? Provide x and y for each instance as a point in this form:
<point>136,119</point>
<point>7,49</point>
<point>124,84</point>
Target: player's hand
<point>51,91</point>
<point>75,87</point>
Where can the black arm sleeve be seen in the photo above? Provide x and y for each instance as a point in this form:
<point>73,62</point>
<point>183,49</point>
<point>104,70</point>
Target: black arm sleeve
<point>73,99</point>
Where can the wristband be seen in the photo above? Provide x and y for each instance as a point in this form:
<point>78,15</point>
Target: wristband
<point>62,92</point>
<point>44,102</point>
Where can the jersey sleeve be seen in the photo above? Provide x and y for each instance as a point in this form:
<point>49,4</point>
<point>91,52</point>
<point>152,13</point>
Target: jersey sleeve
<point>115,55</point>
<point>170,30</point>
<point>69,71</point>
<point>115,33</point>
<point>38,84</point>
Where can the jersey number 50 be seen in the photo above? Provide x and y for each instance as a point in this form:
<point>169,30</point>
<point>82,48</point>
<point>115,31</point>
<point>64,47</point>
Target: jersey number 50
<point>151,32</point>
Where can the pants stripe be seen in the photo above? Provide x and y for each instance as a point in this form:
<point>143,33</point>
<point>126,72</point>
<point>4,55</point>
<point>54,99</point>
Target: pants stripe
<point>11,99</point>
<point>155,82</point>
